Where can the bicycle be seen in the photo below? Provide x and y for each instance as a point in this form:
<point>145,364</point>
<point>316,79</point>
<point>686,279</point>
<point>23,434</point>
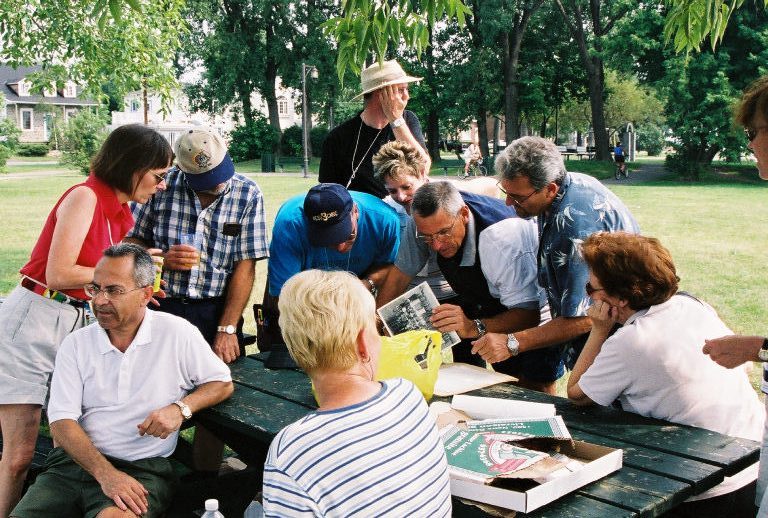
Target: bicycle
<point>476,168</point>
<point>621,169</point>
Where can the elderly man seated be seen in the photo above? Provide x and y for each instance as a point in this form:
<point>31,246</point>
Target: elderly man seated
<point>332,229</point>
<point>120,391</point>
<point>371,448</point>
<point>653,364</point>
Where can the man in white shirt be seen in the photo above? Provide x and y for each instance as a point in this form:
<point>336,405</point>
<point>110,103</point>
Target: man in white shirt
<point>120,391</point>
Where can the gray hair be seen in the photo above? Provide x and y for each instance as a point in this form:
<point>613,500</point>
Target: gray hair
<point>536,158</point>
<point>435,196</point>
<point>143,267</point>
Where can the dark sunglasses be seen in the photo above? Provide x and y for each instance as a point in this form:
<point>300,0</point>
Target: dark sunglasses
<point>590,289</point>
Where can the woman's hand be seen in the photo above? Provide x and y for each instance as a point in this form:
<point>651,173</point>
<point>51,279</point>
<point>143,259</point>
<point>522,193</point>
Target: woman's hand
<point>604,317</point>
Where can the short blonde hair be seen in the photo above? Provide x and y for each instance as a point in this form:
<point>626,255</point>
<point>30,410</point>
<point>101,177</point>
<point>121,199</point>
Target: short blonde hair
<point>395,159</point>
<point>321,314</point>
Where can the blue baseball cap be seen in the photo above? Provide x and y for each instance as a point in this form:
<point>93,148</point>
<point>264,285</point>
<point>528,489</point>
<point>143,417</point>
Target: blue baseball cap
<point>327,209</point>
<point>202,156</point>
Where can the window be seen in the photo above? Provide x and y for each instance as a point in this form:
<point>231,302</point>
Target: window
<point>23,88</point>
<point>69,113</point>
<point>135,105</point>
<point>70,90</point>
<point>282,107</point>
<point>27,115</point>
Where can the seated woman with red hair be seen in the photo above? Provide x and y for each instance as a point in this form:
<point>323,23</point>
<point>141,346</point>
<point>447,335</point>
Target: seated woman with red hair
<point>653,363</point>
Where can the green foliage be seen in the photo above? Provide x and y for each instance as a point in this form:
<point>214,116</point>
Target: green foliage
<point>81,139</point>
<point>372,27</point>
<point>251,140</point>
<point>125,42</point>
<point>291,141</point>
<point>650,138</point>
<point>690,22</point>
<point>317,138</point>
<point>9,139</point>
<point>28,149</point>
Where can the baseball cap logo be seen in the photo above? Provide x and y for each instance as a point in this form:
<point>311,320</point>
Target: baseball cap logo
<point>325,216</point>
<point>202,159</point>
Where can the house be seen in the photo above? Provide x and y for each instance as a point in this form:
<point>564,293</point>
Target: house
<point>33,113</point>
<point>179,116</point>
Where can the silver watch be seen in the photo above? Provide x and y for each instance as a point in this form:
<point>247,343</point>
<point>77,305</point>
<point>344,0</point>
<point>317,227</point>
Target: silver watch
<point>763,352</point>
<point>481,329</point>
<point>230,329</point>
<point>186,412</point>
<point>513,345</point>
<point>397,122</point>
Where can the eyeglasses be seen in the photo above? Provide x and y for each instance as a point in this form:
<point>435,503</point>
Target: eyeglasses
<point>590,289</point>
<point>751,133</point>
<point>515,199</point>
<point>440,235</point>
<point>110,292</point>
<point>159,178</point>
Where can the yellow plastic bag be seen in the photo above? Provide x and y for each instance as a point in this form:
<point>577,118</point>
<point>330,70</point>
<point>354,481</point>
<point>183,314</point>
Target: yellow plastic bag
<point>398,358</point>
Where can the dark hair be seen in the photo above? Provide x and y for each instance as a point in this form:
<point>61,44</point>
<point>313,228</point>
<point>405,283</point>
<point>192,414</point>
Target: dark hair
<point>130,150</point>
<point>143,267</point>
<point>755,100</point>
<point>635,268</point>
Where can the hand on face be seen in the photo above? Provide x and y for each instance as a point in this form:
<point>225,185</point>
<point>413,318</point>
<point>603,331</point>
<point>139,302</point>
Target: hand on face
<point>393,100</point>
<point>603,315</point>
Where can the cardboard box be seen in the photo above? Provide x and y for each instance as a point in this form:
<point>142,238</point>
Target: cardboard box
<point>599,462</point>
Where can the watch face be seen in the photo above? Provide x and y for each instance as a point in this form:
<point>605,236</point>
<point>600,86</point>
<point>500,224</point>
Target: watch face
<point>230,329</point>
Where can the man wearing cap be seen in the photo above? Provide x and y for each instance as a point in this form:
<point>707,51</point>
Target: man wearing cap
<point>333,229</point>
<point>208,282</point>
<point>349,148</point>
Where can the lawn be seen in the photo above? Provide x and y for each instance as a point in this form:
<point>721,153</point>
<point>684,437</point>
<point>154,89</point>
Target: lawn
<point>718,249</point>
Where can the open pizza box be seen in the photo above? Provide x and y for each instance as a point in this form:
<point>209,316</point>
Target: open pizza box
<point>584,462</point>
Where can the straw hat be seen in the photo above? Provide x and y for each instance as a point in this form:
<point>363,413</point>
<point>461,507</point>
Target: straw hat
<point>378,76</point>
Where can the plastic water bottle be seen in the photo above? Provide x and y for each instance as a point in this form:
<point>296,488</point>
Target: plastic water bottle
<point>212,509</point>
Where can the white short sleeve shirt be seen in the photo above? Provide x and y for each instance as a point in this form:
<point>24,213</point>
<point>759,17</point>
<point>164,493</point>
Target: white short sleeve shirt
<point>109,393</point>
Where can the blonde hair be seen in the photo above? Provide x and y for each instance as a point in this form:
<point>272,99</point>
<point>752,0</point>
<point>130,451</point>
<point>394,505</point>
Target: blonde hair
<point>395,159</point>
<point>321,315</point>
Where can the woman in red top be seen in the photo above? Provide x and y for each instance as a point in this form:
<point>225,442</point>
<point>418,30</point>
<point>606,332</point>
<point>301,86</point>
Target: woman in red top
<point>50,302</point>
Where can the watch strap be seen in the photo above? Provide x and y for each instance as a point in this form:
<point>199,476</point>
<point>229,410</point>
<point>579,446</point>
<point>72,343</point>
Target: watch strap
<point>230,329</point>
<point>186,412</point>
<point>513,345</point>
<point>397,122</point>
<point>481,329</point>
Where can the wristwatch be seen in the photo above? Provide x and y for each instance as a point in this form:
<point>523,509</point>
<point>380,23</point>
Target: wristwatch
<point>513,345</point>
<point>372,287</point>
<point>763,352</point>
<point>397,122</point>
<point>481,329</point>
<point>186,412</point>
<point>230,329</point>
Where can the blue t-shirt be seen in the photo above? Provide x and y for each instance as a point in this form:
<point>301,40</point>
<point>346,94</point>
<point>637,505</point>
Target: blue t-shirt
<point>582,207</point>
<point>378,238</point>
<point>618,151</point>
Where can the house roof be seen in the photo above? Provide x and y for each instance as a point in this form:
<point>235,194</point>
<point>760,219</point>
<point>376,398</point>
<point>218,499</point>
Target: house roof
<point>11,76</point>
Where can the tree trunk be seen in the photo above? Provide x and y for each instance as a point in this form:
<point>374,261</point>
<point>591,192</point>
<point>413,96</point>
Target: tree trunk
<point>433,116</point>
<point>482,130</point>
<point>596,85</point>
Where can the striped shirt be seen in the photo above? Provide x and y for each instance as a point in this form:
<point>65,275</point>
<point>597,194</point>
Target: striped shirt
<point>381,457</point>
<point>233,228</point>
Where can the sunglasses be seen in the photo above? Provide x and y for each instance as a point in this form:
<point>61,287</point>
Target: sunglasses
<point>591,289</point>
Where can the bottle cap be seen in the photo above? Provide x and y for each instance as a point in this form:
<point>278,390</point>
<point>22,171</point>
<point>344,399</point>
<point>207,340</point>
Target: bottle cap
<point>212,505</point>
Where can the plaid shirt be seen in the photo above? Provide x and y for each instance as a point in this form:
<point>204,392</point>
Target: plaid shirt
<point>233,228</point>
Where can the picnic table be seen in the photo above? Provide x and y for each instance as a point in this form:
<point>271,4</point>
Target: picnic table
<point>664,463</point>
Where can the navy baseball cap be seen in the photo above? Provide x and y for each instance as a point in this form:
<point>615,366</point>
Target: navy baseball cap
<point>327,209</point>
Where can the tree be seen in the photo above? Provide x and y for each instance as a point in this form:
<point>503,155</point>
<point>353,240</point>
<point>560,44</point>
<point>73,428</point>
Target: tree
<point>588,32</point>
<point>82,137</point>
<point>122,42</point>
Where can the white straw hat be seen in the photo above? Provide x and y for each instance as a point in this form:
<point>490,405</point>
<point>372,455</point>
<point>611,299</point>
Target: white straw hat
<point>378,76</point>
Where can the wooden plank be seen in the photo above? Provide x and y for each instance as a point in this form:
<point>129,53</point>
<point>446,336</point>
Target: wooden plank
<point>638,491</point>
<point>286,384</point>
<point>698,475</point>
<point>694,443</point>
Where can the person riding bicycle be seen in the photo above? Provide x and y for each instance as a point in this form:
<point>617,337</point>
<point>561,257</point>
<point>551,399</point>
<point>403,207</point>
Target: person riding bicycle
<point>618,156</point>
<point>472,157</point>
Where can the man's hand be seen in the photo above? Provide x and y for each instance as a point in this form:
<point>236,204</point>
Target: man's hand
<point>447,317</point>
<point>492,347</point>
<point>604,317</point>
<point>226,347</point>
<point>162,422</point>
<point>732,351</point>
<point>125,491</point>
<point>181,257</point>
<point>392,102</point>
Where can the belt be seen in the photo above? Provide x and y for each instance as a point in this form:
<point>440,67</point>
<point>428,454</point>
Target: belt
<point>187,300</point>
<point>51,294</point>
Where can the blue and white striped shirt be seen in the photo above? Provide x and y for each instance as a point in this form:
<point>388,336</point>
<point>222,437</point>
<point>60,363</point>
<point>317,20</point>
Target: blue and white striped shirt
<point>233,228</point>
<point>382,457</point>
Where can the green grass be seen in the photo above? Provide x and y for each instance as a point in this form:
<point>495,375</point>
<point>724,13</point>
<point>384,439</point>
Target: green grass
<point>33,167</point>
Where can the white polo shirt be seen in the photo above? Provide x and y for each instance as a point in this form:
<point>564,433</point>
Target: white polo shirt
<point>109,393</point>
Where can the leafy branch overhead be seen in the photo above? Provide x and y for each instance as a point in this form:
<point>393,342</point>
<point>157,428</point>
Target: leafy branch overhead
<point>690,22</point>
<point>367,26</point>
<point>92,42</point>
